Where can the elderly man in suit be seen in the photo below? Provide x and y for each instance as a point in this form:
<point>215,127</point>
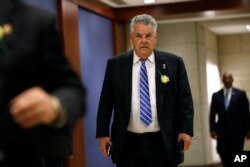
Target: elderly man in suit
<point>231,106</point>
<point>40,95</point>
<point>149,95</point>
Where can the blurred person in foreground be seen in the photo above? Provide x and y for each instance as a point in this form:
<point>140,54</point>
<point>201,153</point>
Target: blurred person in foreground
<point>229,120</point>
<point>148,93</point>
<point>40,96</point>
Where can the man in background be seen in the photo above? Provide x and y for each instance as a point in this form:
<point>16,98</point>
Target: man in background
<point>229,120</point>
<point>40,96</point>
<point>148,93</point>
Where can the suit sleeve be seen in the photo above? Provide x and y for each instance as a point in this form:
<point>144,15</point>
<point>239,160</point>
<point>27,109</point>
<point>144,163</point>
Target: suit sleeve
<point>105,104</point>
<point>185,102</point>
<point>212,114</point>
<point>59,78</point>
<point>245,105</point>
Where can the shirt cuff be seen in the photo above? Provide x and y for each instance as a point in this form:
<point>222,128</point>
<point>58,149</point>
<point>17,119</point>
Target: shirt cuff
<point>62,118</point>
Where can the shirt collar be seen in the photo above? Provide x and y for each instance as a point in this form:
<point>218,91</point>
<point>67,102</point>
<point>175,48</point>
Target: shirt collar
<point>229,89</point>
<point>136,58</point>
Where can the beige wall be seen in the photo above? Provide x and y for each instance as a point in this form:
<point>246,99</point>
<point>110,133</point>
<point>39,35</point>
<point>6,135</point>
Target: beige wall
<point>198,48</point>
<point>181,39</point>
<point>209,83</point>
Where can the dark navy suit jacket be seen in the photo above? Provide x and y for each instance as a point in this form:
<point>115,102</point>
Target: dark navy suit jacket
<point>174,101</point>
<point>232,124</point>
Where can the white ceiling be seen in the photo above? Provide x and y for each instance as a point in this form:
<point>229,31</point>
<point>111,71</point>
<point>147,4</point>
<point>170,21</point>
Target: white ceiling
<point>130,3</point>
<point>228,26</point>
<point>222,25</point>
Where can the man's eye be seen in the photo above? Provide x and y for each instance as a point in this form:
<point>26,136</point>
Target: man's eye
<point>149,36</point>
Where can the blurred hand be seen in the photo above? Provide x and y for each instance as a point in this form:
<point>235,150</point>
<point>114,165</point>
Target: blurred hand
<point>103,141</point>
<point>33,107</point>
<point>187,140</point>
<point>213,134</point>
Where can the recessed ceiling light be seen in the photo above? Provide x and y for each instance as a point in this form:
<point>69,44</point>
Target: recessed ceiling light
<point>248,27</point>
<point>149,1</point>
<point>209,13</point>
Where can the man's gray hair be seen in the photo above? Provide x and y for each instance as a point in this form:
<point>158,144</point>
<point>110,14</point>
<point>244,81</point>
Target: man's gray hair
<point>144,19</point>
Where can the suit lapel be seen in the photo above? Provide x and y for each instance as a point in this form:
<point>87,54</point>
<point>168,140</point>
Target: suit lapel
<point>161,68</point>
<point>127,78</point>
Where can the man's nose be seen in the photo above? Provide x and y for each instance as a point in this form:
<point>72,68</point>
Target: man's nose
<point>144,39</point>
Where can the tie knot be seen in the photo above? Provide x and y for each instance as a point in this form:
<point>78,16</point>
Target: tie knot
<point>143,61</point>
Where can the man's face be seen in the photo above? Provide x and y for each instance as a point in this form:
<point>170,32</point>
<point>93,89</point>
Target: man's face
<point>143,39</point>
<point>227,80</point>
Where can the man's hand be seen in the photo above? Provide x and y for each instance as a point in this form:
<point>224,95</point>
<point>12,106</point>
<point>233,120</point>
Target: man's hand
<point>33,107</point>
<point>187,140</point>
<point>103,142</point>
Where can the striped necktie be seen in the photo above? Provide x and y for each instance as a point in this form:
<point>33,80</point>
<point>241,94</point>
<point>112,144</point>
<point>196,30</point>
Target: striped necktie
<point>226,99</point>
<point>145,105</point>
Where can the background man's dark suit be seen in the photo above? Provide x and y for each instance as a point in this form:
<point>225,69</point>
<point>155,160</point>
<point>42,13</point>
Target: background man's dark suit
<point>232,125</point>
<point>35,58</point>
<point>174,102</point>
